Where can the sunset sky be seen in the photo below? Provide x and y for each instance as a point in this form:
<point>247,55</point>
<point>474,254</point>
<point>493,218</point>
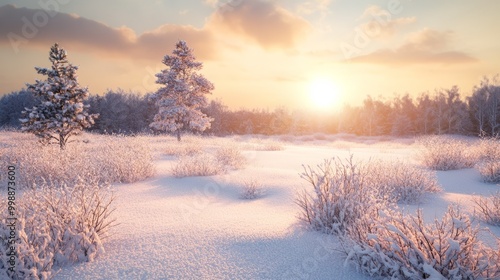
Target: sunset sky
<point>260,54</point>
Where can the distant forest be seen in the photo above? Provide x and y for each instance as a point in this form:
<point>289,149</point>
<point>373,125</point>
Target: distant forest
<point>441,112</point>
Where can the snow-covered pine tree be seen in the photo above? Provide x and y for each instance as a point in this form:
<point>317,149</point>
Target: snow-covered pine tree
<point>61,112</point>
<point>181,98</point>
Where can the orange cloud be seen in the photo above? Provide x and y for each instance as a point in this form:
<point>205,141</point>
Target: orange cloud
<point>428,40</point>
<point>22,27</point>
<point>262,22</point>
<point>425,46</point>
<point>165,37</point>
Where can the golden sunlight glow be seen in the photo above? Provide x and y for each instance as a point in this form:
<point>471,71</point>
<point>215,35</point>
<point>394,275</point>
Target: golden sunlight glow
<point>324,94</point>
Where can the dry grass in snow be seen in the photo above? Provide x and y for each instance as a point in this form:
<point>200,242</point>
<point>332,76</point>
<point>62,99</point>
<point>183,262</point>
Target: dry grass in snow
<point>399,246</point>
<point>446,153</point>
<point>341,196</point>
<point>107,159</point>
<point>209,162</point>
<point>197,165</point>
<point>252,189</point>
<point>488,208</point>
<point>400,182</point>
<point>55,226</point>
<point>489,160</point>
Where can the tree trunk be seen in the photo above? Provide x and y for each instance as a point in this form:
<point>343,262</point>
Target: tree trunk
<point>62,142</point>
<point>178,135</point>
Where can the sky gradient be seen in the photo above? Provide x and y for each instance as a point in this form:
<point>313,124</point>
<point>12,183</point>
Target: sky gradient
<point>259,54</point>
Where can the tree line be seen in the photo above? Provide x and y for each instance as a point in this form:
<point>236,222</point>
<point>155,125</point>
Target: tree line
<point>444,111</point>
<point>58,107</point>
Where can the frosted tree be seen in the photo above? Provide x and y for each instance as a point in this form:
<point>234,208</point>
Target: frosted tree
<point>492,87</point>
<point>60,112</point>
<point>181,98</point>
<point>425,113</point>
<point>484,104</point>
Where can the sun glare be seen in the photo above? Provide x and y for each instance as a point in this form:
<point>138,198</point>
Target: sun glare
<point>323,93</point>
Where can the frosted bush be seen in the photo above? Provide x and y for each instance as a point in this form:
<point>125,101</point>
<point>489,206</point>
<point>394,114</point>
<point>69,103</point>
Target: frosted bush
<point>347,200</point>
<point>446,153</point>
<point>230,156</point>
<point>345,192</point>
<point>271,146</point>
<point>489,156</point>
<point>404,247</point>
<point>490,171</point>
<point>401,182</point>
<point>197,165</point>
<point>122,159</point>
<point>56,226</point>
<point>341,197</point>
<point>488,209</point>
<point>104,158</point>
<point>209,162</point>
<point>252,189</point>
<point>488,149</point>
<point>263,145</point>
<point>184,149</point>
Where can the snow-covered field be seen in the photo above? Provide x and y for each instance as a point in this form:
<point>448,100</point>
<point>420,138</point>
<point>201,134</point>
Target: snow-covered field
<point>200,227</point>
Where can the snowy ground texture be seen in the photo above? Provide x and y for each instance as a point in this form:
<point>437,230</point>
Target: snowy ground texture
<point>200,228</point>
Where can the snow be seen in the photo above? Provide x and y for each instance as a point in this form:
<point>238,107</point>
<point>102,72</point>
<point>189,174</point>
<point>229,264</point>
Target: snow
<point>200,228</point>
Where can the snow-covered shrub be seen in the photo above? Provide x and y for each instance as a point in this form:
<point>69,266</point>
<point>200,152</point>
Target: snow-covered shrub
<point>490,171</point>
<point>121,159</point>
<point>268,145</point>
<point>488,209</point>
<point>209,162</point>
<point>198,165</point>
<point>404,247</point>
<point>230,156</point>
<point>341,197</point>
<point>488,149</point>
<point>56,226</point>
<point>184,148</point>
<point>446,153</point>
<point>105,158</point>
<point>252,189</point>
<point>401,182</point>
<point>271,146</point>
<point>263,145</point>
<point>489,160</point>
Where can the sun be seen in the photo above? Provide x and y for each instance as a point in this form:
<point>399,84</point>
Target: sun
<point>323,93</point>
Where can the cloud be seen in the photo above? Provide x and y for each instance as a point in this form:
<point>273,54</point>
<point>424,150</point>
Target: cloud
<point>267,24</point>
<point>260,21</point>
<point>211,3</point>
<point>425,46</point>
<point>23,27</point>
<point>381,24</point>
<point>314,6</point>
<point>428,40</point>
<point>165,37</point>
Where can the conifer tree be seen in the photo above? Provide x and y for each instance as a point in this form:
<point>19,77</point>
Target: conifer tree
<point>182,97</point>
<point>61,112</point>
